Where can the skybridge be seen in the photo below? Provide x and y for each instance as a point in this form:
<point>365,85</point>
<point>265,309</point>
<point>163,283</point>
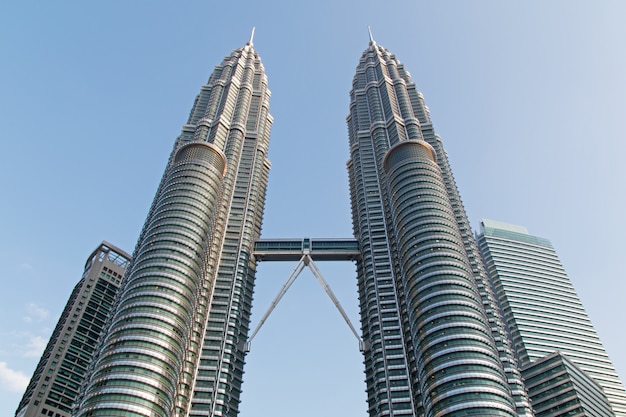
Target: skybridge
<point>317,249</point>
<point>305,251</point>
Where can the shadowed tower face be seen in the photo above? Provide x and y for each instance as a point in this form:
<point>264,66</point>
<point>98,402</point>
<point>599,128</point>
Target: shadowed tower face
<point>175,345</point>
<point>430,342</point>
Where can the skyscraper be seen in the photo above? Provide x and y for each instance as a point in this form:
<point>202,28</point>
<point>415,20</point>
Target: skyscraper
<point>61,370</point>
<point>435,343</point>
<point>175,345</point>
<point>542,311</point>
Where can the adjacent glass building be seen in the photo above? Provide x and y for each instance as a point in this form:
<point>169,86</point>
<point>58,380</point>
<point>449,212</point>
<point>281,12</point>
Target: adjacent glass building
<point>435,343</point>
<point>175,345</point>
<point>542,311</point>
<point>56,381</point>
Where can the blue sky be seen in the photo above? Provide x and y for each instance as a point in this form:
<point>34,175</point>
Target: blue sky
<point>529,97</point>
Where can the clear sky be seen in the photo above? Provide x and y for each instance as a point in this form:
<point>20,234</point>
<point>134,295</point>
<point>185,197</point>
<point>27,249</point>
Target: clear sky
<point>529,97</point>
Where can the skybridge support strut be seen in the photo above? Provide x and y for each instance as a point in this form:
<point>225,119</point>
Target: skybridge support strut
<point>305,260</point>
<point>290,280</point>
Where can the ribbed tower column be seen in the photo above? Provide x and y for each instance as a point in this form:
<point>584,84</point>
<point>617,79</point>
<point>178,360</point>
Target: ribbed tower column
<point>458,366</point>
<point>151,336</point>
<point>175,346</point>
<point>387,110</point>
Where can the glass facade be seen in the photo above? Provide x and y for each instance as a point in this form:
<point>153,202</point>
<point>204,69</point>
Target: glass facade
<point>63,366</point>
<point>434,341</point>
<point>542,311</point>
<point>175,344</point>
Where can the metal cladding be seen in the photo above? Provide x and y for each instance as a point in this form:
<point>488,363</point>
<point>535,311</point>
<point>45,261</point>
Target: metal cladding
<point>436,343</point>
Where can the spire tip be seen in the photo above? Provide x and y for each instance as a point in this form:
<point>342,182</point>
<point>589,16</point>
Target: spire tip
<point>369,29</point>
<point>251,36</point>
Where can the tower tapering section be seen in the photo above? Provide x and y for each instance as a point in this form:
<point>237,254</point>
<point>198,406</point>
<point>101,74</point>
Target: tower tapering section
<point>434,340</point>
<point>175,342</point>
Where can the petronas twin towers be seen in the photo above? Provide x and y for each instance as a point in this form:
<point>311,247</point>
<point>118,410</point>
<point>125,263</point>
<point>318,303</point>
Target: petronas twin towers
<point>433,339</point>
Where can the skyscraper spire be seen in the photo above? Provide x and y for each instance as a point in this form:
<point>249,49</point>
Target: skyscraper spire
<point>251,37</point>
<point>372,41</point>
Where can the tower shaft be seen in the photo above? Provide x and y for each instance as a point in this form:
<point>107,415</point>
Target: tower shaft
<point>175,343</point>
<point>432,347</point>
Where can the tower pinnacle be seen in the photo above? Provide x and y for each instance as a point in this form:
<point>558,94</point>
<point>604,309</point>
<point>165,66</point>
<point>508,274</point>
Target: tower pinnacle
<point>372,41</point>
<point>251,37</point>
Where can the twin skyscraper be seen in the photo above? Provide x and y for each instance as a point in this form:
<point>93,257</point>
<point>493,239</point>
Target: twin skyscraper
<point>442,334</point>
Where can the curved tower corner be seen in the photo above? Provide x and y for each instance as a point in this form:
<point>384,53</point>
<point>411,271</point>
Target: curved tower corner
<point>456,362</point>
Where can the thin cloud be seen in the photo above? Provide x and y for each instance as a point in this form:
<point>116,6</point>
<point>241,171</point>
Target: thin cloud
<point>12,380</point>
<point>35,312</point>
<point>26,267</point>
<point>35,347</point>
